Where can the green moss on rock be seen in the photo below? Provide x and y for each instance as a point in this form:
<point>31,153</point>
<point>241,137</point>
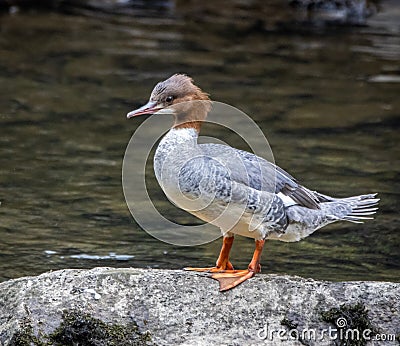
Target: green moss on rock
<point>25,336</point>
<point>82,329</point>
<point>350,317</point>
<point>289,324</point>
<point>86,330</point>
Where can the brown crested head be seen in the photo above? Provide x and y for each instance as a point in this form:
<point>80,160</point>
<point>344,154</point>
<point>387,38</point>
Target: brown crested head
<point>177,88</point>
<point>174,95</point>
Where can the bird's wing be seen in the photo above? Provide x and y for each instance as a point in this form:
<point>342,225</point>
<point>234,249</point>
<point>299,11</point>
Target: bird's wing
<point>205,178</point>
<point>260,174</point>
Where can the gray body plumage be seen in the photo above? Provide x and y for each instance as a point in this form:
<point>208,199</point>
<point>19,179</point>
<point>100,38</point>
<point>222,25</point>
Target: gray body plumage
<point>244,194</point>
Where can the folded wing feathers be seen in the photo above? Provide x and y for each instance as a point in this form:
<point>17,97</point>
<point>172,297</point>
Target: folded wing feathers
<point>362,206</point>
<point>302,196</point>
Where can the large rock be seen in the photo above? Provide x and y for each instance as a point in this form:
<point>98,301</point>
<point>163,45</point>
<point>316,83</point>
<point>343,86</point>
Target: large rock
<point>107,306</point>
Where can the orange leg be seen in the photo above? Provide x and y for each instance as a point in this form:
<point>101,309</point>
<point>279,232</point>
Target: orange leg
<point>228,280</point>
<point>222,261</point>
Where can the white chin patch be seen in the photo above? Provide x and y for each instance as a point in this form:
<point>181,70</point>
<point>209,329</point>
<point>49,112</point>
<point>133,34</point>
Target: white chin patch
<point>166,111</point>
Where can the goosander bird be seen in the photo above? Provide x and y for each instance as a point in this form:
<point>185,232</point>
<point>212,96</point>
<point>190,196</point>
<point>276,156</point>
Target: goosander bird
<point>267,202</point>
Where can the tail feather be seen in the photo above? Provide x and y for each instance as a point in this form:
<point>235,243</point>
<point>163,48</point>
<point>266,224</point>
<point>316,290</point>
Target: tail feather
<point>304,221</point>
<point>361,207</point>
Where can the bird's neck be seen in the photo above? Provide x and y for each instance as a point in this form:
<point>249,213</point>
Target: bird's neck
<point>181,134</point>
<point>178,139</point>
<point>190,115</point>
<point>190,125</point>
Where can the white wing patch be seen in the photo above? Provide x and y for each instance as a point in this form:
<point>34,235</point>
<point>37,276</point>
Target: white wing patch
<point>287,201</point>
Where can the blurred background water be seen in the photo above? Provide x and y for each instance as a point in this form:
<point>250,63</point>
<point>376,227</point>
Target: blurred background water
<point>326,96</point>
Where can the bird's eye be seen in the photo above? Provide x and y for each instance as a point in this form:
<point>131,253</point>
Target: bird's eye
<point>169,99</point>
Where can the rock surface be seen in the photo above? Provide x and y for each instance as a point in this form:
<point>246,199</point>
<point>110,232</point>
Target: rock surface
<point>166,307</point>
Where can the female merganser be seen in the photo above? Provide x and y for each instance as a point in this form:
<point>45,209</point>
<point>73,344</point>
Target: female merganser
<point>264,201</point>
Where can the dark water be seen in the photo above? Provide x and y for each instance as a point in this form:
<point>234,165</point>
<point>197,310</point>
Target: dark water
<point>326,97</point>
